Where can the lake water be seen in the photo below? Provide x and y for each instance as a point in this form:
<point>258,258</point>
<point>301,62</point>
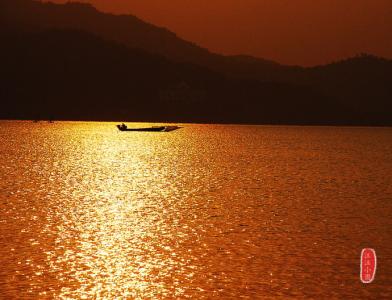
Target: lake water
<point>207,211</point>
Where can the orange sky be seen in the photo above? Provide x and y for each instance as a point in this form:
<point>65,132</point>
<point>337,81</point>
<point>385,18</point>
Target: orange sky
<point>305,32</point>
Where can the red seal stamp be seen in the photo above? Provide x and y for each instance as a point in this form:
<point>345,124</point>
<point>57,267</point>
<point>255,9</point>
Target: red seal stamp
<point>368,265</point>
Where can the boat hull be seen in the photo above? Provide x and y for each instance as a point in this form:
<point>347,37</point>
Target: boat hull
<point>149,129</point>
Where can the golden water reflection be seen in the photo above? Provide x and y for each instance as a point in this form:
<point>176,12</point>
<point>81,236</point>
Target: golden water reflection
<point>120,208</point>
<point>203,212</point>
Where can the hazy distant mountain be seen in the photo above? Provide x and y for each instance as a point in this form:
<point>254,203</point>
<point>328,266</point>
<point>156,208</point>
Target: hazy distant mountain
<point>125,29</point>
<point>73,62</point>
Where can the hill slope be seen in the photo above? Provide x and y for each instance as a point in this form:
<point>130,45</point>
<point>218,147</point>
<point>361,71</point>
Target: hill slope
<point>125,29</point>
<point>75,56</point>
<point>68,74</point>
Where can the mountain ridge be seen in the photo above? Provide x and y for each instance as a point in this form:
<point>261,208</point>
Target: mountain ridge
<point>344,90</point>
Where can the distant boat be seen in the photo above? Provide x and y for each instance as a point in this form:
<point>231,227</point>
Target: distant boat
<point>124,127</point>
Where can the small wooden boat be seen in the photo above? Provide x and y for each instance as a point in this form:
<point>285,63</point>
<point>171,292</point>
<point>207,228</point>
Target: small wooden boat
<point>124,127</point>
